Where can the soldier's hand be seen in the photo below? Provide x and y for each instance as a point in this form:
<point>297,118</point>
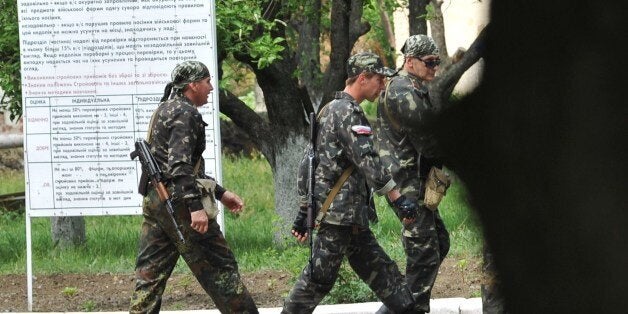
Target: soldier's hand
<point>406,208</point>
<point>299,226</point>
<point>232,201</point>
<point>199,221</point>
<point>301,237</point>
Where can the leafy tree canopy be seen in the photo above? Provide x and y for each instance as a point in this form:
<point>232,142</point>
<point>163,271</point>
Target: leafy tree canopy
<point>10,83</point>
<point>244,27</point>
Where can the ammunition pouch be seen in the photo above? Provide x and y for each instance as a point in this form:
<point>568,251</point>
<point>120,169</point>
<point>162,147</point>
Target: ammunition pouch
<point>207,187</point>
<point>436,185</point>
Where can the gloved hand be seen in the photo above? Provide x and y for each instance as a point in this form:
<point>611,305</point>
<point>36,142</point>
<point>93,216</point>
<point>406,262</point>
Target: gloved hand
<point>300,222</point>
<point>405,207</point>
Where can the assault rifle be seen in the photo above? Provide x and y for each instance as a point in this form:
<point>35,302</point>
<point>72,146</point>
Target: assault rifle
<point>311,202</point>
<point>151,168</point>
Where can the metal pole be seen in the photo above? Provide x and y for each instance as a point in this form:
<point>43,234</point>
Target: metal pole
<point>29,264</point>
<point>216,113</point>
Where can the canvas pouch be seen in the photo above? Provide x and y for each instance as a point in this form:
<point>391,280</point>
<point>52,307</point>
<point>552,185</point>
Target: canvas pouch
<point>436,185</point>
<point>207,188</point>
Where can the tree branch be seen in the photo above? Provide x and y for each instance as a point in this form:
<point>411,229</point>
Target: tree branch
<point>247,120</point>
<point>440,88</point>
<point>283,98</point>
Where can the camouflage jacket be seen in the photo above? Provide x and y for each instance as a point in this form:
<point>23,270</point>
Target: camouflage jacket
<point>344,139</point>
<point>177,142</point>
<point>402,113</point>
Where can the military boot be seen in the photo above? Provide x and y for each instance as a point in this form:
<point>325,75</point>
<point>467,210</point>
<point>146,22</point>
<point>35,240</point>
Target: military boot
<point>398,303</point>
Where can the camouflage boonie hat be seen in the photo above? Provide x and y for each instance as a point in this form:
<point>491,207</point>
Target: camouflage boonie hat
<point>367,62</point>
<point>188,72</point>
<point>419,46</point>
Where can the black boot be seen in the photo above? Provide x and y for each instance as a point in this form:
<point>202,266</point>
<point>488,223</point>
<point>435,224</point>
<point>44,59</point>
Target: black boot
<point>383,310</point>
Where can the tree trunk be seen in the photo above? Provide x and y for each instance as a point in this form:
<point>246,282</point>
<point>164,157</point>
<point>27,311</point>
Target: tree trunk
<point>346,28</point>
<point>288,156</point>
<point>386,24</point>
<point>437,25</point>
<point>283,150</point>
<point>281,138</point>
<point>390,34</point>
<point>416,17</point>
<point>308,53</point>
<point>441,87</point>
<point>67,231</point>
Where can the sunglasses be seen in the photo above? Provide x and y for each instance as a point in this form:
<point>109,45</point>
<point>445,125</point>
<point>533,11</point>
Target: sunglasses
<point>430,63</point>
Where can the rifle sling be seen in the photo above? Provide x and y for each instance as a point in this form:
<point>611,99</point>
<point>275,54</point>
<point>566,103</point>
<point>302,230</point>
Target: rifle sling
<point>397,128</point>
<point>334,191</point>
<point>150,127</point>
<point>392,120</point>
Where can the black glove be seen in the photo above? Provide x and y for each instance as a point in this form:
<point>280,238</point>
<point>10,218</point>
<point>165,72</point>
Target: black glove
<point>405,207</point>
<point>300,222</point>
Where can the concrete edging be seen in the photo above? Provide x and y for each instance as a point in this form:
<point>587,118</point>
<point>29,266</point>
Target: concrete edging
<point>437,306</point>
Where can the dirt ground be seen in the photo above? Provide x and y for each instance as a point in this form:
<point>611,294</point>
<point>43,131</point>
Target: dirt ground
<point>111,292</point>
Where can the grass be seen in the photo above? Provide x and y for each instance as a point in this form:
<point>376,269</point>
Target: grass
<point>11,181</point>
<point>112,240</point>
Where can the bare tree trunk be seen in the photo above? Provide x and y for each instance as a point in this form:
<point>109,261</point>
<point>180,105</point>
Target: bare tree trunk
<point>416,17</point>
<point>441,87</point>
<point>308,51</point>
<point>437,25</point>
<point>390,34</point>
<point>285,174</point>
<point>281,138</point>
<point>346,28</point>
<point>67,231</point>
<point>388,29</point>
<point>260,104</point>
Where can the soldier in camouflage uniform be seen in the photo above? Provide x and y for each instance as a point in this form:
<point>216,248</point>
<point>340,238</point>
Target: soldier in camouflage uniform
<point>177,143</point>
<point>344,139</point>
<point>408,152</point>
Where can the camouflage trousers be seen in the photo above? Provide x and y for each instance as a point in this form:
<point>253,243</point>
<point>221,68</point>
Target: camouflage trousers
<point>364,255</point>
<point>424,255</point>
<point>208,255</point>
<point>426,243</point>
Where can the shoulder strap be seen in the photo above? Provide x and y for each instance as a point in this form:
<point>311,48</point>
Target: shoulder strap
<point>392,120</point>
<point>197,166</point>
<point>345,175</point>
<point>150,126</point>
<point>320,112</point>
<point>336,188</point>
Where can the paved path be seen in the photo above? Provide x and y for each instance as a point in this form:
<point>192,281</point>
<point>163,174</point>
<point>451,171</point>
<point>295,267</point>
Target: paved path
<point>438,306</point>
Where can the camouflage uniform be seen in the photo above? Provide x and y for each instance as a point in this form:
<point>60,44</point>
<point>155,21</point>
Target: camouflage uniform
<point>178,141</point>
<point>404,147</point>
<point>344,139</point>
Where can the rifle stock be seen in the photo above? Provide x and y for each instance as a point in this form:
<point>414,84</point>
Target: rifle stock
<point>149,165</point>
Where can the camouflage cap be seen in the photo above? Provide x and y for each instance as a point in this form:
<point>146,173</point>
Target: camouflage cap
<point>188,72</point>
<point>367,62</point>
<point>419,46</point>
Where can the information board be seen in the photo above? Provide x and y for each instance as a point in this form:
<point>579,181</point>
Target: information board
<point>93,71</point>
